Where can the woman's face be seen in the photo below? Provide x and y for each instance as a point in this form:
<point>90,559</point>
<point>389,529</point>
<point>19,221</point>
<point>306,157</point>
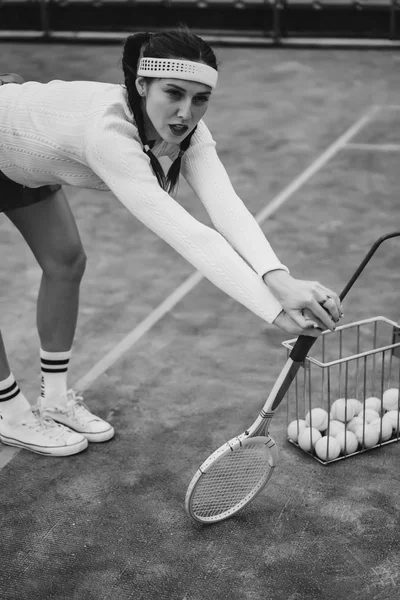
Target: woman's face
<point>172,107</point>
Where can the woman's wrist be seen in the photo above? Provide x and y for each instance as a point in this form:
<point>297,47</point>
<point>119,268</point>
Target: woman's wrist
<point>280,282</point>
<point>276,277</point>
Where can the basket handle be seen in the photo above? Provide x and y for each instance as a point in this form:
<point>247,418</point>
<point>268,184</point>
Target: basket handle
<point>305,342</point>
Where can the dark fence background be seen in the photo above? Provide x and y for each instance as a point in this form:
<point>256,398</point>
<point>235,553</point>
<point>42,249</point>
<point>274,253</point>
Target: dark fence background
<point>268,21</point>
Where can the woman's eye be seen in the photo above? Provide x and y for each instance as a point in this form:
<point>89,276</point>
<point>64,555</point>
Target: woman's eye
<point>201,100</point>
<point>174,93</point>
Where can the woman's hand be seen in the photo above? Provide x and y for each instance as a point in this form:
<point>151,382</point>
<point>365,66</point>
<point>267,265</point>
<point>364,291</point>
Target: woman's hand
<point>307,305</point>
<point>284,322</point>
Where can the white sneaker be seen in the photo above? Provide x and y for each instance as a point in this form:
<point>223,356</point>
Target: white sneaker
<point>75,414</point>
<point>40,434</point>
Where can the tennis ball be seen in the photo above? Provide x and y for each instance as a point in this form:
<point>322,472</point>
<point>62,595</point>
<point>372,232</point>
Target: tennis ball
<point>390,399</point>
<point>318,418</point>
<point>393,417</point>
<point>336,427</point>
<point>294,429</point>
<point>354,423</point>
<point>342,410</point>
<point>368,436</point>
<point>386,426</point>
<point>308,438</point>
<point>369,415</point>
<point>358,406</point>
<point>327,448</point>
<point>373,402</point>
<point>348,442</point>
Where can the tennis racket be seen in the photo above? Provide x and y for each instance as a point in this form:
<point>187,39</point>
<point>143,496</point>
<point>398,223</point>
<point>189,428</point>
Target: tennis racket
<point>239,470</point>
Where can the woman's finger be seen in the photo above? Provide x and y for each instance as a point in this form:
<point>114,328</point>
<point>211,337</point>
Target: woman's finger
<point>330,301</point>
<point>306,322</point>
<point>322,313</point>
<point>284,322</point>
<point>312,320</point>
<point>330,306</point>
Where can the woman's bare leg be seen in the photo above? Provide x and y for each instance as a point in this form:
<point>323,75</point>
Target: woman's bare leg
<point>4,366</point>
<point>50,230</point>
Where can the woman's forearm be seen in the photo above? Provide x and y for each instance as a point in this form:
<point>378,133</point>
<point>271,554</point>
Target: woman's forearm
<point>222,265</point>
<point>205,248</point>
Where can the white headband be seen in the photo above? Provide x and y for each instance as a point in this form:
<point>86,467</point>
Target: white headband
<point>178,69</point>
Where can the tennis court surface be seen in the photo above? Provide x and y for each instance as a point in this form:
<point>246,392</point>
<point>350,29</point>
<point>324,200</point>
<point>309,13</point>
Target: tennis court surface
<point>311,140</point>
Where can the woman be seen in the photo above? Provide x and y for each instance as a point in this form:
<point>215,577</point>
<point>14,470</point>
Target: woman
<point>109,137</point>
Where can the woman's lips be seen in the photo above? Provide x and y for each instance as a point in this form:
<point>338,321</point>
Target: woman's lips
<point>178,130</point>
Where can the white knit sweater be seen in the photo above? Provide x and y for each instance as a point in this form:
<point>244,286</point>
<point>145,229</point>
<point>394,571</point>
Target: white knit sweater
<point>81,133</point>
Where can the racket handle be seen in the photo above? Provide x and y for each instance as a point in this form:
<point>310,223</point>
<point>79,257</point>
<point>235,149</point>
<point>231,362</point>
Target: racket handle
<point>305,342</point>
<point>301,348</point>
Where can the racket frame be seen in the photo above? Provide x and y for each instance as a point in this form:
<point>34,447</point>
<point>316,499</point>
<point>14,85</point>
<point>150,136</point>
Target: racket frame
<point>256,433</point>
<point>233,445</point>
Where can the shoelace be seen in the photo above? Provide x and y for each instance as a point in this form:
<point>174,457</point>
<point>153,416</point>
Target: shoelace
<point>42,423</point>
<point>76,404</point>
<point>74,397</point>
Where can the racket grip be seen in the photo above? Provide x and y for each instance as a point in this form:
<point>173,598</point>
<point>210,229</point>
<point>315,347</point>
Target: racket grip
<point>301,348</point>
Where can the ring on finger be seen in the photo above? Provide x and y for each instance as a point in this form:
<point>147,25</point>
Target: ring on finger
<point>325,301</point>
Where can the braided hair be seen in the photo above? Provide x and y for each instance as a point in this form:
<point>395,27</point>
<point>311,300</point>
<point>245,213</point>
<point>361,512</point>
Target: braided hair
<point>180,44</point>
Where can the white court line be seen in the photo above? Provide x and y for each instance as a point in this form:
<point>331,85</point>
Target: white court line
<point>316,165</point>
<point>375,147</point>
<point>7,453</point>
<point>193,280</point>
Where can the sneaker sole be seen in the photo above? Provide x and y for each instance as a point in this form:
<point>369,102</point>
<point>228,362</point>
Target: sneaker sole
<point>100,436</point>
<point>45,450</point>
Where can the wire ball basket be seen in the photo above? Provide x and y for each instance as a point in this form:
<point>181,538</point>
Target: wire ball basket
<point>345,399</point>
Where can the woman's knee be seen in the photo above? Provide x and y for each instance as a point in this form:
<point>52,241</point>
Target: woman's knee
<point>51,232</point>
<point>68,263</point>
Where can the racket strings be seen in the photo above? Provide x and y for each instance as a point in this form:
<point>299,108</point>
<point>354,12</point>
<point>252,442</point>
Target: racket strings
<point>231,480</point>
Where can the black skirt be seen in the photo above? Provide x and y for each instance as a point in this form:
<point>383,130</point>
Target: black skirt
<point>14,195</point>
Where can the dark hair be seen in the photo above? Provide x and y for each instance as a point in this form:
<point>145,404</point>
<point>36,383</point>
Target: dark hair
<point>178,43</point>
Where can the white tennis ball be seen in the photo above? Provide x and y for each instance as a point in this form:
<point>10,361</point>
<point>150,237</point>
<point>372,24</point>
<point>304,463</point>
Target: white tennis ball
<point>358,406</point>
<point>368,436</point>
<point>308,438</point>
<point>294,429</point>
<point>327,448</point>
<point>391,399</point>
<point>348,442</point>
<point>385,425</point>
<point>369,415</point>
<point>336,427</point>
<point>394,418</point>
<point>318,418</point>
<point>354,423</point>
<point>342,410</point>
<point>374,403</point>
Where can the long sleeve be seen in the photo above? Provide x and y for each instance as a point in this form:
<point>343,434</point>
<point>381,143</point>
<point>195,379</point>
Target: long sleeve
<point>207,176</point>
<point>114,154</point>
